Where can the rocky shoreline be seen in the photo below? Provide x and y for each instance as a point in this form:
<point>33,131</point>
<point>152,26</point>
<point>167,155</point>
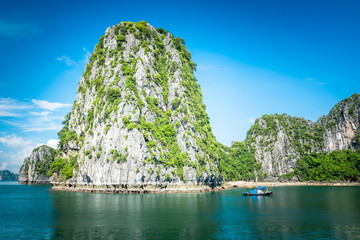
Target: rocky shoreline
<point>142,189</point>
<point>187,188</point>
<point>28,182</point>
<point>243,184</point>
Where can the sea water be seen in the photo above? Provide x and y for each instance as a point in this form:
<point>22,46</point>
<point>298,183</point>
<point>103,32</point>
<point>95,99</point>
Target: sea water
<point>302,212</point>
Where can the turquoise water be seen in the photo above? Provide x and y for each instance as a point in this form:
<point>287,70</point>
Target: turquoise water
<point>34,212</point>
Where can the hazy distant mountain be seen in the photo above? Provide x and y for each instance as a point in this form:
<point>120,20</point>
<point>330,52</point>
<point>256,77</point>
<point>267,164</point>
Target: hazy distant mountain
<point>6,175</point>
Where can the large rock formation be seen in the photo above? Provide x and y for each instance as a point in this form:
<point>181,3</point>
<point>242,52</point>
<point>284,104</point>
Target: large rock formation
<point>6,175</point>
<point>139,118</point>
<point>35,168</point>
<point>280,140</point>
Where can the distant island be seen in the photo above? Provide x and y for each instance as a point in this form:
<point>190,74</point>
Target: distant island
<point>139,122</point>
<point>6,175</point>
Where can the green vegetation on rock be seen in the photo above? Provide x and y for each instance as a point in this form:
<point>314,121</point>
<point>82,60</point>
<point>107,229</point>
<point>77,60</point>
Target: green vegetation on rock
<point>43,167</point>
<point>65,135</point>
<point>63,167</point>
<point>335,166</point>
<point>238,163</point>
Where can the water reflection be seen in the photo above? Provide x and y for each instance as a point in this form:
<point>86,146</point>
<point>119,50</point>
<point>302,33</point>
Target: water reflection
<point>32,212</point>
<point>292,213</point>
<point>151,216</point>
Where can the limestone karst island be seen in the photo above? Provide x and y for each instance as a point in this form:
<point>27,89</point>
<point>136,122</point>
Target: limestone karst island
<point>139,124</point>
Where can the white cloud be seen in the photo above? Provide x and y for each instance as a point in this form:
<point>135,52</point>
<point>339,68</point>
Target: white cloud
<point>34,116</point>
<point>52,106</point>
<point>319,83</point>
<point>8,114</point>
<point>11,123</point>
<point>315,81</point>
<point>37,124</point>
<point>86,57</point>
<point>205,67</point>
<point>14,141</point>
<point>4,165</point>
<point>251,120</point>
<point>68,61</point>
<point>15,149</point>
<point>13,104</point>
<point>41,127</point>
<point>51,118</point>
<point>10,107</point>
<point>45,113</point>
<point>52,143</point>
<point>10,28</point>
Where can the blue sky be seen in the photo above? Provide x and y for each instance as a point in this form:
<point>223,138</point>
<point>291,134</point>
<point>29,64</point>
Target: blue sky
<point>254,58</point>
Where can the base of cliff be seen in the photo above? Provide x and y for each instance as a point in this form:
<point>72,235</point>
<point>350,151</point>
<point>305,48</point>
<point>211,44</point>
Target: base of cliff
<point>244,184</point>
<point>38,182</point>
<point>141,189</point>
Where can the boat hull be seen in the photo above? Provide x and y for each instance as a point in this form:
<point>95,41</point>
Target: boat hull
<point>258,194</point>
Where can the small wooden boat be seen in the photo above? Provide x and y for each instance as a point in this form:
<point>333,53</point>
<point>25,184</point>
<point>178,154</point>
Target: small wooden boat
<point>257,191</point>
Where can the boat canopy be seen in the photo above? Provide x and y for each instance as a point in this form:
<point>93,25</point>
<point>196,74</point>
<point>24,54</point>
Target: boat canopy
<point>261,188</point>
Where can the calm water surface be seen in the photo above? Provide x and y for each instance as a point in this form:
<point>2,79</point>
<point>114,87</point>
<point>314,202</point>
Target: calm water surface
<point>34,212</point>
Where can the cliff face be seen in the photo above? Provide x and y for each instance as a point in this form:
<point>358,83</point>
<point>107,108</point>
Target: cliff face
<point>280,140</point>
<point>35,168</point>
<point>139,117</point>
<point>341,125</point>
<point>6,175</point>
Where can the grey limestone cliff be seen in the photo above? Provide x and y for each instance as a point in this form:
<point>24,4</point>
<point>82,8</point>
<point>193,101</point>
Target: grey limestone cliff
<point>35,168</point>
<point>341,125</point>
<point>280,140</point>
<point>138,118</point>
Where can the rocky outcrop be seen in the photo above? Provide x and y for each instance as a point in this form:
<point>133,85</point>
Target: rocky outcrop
<point>138,119</point>
<point>278,141</point>
<point>341,125</point>
<point>35,168</point>
<point>6,175</point>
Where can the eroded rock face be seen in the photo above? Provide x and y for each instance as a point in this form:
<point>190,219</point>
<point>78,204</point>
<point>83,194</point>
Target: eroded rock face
<point>341,125</point>
<point>139,118</point>
<point>280,140</point>
<point>35,168</point>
